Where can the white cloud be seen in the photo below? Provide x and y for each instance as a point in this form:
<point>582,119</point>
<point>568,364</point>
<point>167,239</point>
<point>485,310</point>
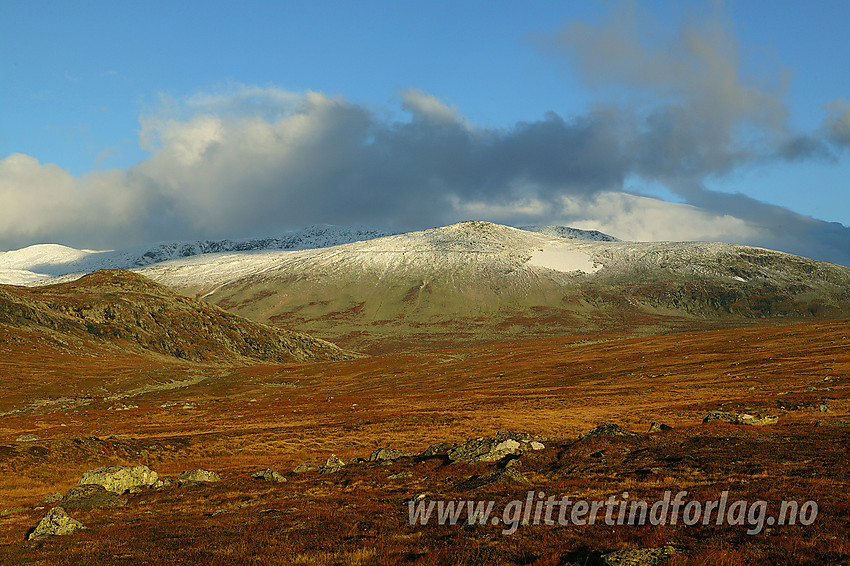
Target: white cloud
<point>281,161</point>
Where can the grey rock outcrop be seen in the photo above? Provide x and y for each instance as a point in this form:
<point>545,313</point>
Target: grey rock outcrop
<point>195,477</point>
<point>508,474</point>
<point>91,495</point>
<point>389,454</point>
<point>438,448</point>
<point>739,418</point>
<point>56,522</point>
<point>606,429</point>
<point>120,479</point>
<point>333,464</point>
<point>639,556</point>
<point>493,449</point>
<point>162,483</point>
<point>658,427</point>
<point>269,475</point>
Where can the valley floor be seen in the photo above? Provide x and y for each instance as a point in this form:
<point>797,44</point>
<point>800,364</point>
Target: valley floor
<point>118,408</point>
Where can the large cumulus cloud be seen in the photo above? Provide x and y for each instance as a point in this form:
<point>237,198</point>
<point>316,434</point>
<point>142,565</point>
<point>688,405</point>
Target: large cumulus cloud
<point>256,161</point>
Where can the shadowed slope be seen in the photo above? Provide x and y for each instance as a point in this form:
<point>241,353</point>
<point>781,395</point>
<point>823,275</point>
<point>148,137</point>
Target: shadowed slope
<point>127,310</point>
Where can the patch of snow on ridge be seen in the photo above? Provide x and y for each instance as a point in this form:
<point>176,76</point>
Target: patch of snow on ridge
<point>559,259</point>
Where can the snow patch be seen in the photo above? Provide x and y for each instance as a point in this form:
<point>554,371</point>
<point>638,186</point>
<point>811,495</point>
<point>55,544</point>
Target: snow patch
<point>560,259</point>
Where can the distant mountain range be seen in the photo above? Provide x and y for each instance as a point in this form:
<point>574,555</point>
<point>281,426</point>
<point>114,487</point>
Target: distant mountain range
<point>472,282</point>
<point>40,262</point>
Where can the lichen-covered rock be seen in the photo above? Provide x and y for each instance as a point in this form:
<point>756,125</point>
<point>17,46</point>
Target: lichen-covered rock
<point>51,498</point>
<point>56,522</point>
<point>120,479</point>
<point>162,483</point>
<point>194,477</point>
<point>739,418</point>
<point>606,429</point>
<point>639,556</point>
<point>269,475</point>
<point>332,465</point>
<point>438,448</point>
<point>304,468</point>
<point>385,454</point>
<point>508,474</point>
<point>658,427</point>
<point>91,495</point>
<point>28,438</point>
<point>493,449</point>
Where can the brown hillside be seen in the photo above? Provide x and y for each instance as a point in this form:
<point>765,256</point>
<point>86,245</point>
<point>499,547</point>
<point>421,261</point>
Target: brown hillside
<point>118,308</point>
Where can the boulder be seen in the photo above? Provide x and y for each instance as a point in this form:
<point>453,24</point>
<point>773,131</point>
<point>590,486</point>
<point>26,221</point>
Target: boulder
<point>194,477</point>
<point>51,498</point>
<point>332,465</point>
<point>389,454</point>
<point>658,427</point>
<point>438,449</point>
<point>269,475</point>
<point>162,483</point>
<point>493,449</point>
<point>91,495</point>
<point>120,479</point>
<point>28,438</point>
<point>606,429</point>
<point>56,522</point>
<point>739,418</point>
<point>508,474</point>
<point>303,468</point>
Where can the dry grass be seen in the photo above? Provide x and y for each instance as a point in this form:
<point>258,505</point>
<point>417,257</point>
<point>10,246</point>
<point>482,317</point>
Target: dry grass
<point>239,419</point>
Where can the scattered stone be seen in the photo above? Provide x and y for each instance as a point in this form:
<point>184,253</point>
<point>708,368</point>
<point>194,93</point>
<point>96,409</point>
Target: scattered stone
<point>120,479</point>
<point>639,556</point>
<point>332,465</point>
<point>606,429</point>
<point>269,475</point>
<point>536,445</point>
<point>51,498</point>
<point>823,408</point>
<point>400,475</point>
<point>91,495</point>
<point>356,460</point>
<point>194,477</point>
<point>56,522</point>
<point>303,468</point>
<point>389,454</point>
<point>739,418</point>
<point>162,483</point>
<point>28,438</point>
<point>658,427</point>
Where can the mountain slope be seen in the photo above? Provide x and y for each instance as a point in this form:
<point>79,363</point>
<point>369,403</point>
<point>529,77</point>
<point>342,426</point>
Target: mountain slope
<point>482,281</point>
<point>39,263</point>
<point>117,308</point>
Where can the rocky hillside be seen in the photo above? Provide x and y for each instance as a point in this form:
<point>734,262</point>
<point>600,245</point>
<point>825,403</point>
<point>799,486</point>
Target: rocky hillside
<point>125,309</point>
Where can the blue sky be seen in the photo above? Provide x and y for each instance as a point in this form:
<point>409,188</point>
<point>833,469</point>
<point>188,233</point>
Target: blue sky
<point>98,95</point>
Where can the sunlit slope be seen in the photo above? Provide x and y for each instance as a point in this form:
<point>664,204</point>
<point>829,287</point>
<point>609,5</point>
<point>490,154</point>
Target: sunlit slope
<point>476,280</point>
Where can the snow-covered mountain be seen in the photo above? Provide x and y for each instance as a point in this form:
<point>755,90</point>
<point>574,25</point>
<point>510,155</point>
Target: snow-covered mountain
<point>481,281</point>
<point>474,281</point>
<point>39,263</point>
